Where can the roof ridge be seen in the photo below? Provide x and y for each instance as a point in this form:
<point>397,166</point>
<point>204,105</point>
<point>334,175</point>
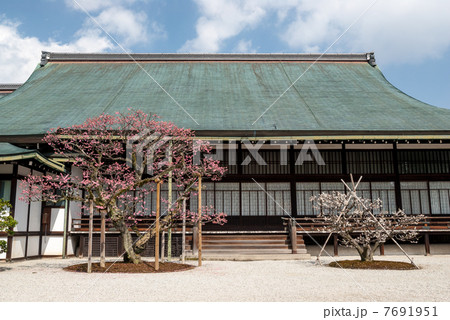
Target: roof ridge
<point>10,86</point>
<point>341,57</point>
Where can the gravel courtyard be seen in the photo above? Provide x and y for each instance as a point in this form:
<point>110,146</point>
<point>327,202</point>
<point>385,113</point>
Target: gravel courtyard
<point>44,280</point>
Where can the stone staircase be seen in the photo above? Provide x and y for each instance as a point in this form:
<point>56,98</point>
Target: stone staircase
<point>251,246</point>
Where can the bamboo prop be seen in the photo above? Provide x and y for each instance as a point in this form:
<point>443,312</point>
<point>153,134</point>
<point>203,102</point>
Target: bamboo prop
<point>353,192</point>
<point>91,228</point>
<point>199,220</point>
<point>158,209</point>
<point>183,234</point>
<point>163,245</point>
<point>169,198</point>
<point>103,239</point>
<point>339,218</point>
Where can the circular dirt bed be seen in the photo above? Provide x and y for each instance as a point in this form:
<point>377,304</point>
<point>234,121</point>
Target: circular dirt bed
<point>122,267</point>
<point>378,265</point>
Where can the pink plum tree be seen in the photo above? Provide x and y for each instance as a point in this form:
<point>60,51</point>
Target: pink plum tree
<point>121,157</point>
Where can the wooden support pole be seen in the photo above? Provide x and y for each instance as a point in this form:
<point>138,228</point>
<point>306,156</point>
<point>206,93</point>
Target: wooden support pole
<point>103,239</point>
<point>163,245</point>
<point>158,204</point>
<point>91,229</point>
<point>335,244</point>
<point>195,240</point>
<point>169,198</point>
<point>427,244</point>
<point>183,234</point>
<point>199,221</point>
<point>293,235</point>
<point>382,249</point>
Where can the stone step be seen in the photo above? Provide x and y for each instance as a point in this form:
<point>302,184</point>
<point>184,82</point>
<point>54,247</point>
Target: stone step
<point>245,237</point>
<point>250,251</point>
<point>237,242</point>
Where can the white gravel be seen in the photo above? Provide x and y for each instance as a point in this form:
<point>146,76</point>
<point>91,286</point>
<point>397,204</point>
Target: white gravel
<point>44,280</point>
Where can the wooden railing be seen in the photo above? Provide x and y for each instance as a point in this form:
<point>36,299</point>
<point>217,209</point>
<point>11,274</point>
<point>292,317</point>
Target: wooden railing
<point>319,225</point>
<point>82,224</point>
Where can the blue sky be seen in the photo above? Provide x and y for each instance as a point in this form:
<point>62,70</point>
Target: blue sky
<point>410,38</point>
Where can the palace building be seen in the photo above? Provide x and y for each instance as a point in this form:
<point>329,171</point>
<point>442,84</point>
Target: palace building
<point>261,110</point>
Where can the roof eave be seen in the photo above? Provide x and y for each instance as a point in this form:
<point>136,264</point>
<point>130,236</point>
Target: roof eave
<point>141,57</point>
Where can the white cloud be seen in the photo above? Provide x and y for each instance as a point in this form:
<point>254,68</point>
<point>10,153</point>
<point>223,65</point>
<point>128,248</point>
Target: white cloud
<point>395,30</point>
<point>244,46</point>
<point>128,27</point>
<point>401,30</point>
<point>21,54</point>
<point>95,5</point>
<point>221,20</point>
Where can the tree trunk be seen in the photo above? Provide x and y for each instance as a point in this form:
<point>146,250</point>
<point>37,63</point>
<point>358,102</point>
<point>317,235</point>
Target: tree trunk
<point>366,254</point>
<point>130,256</point>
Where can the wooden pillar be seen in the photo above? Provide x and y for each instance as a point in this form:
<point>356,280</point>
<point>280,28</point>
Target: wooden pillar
<point>382,249</point>
<point>344,160</point>
<point>293,186</point>
<point>28,227</point>
<point>427,244</point>
<point>335,244</point>
<point>66,228</point>
<point>91,227</point>
<point>398,194</point>
<point>199,221</point>
<point>158,208</point>
<point>12,200</point>
<point>239,158</point>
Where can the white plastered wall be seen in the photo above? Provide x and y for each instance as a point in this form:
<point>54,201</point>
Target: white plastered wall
<point>20,209</point>
<point>18,247</point>
<point>3,255</point>
<point>33,246</point>
<point>52,245</point>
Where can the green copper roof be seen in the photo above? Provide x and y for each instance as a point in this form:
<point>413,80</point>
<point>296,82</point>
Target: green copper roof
<point>223,94</point>
<point>7,149</point>
<point>9,152</point>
